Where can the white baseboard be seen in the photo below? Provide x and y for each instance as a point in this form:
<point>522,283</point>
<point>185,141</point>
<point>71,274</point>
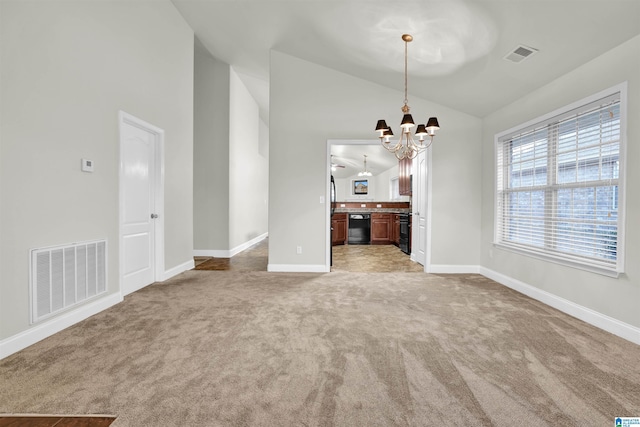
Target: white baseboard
<point>39,332</point>
<point>248,244</point>
<point>223,253</point>
<point>168,274</point>
<point>54,325</point>
<point>216,253</point>
<point>298,268</point>
<point>453,269</point>
<point>597,319</point>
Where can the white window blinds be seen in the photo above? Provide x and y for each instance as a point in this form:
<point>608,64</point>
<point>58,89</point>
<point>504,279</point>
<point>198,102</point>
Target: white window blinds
<point>558,187</point>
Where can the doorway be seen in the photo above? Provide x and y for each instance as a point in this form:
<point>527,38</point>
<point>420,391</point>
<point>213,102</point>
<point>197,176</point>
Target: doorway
<point>346,159</point>
<point>141,203</point>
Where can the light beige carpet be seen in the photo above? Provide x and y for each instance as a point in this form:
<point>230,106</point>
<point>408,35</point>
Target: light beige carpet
<point>214,348</point>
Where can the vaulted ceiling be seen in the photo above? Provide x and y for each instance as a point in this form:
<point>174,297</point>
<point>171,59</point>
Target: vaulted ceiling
<point>456,58</point>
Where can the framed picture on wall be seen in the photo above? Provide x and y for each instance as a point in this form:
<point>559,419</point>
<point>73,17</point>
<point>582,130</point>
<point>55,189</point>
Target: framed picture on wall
<point>360,186</point>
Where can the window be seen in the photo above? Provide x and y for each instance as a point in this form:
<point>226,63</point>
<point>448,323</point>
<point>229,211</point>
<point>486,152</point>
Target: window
<point>394,189</point>
<point>559,186</point>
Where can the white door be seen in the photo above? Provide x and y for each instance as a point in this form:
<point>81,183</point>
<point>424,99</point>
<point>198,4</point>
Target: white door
<point>419,220</point>
<point>140,166</point>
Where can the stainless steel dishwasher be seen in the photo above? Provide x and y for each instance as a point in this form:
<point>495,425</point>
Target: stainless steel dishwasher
<point>359,229</point>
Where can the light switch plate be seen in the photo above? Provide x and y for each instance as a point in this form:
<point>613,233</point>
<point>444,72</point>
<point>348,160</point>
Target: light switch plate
<point>87,165</point>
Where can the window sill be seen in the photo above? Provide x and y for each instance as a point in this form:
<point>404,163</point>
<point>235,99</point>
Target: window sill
<point>603,271</point>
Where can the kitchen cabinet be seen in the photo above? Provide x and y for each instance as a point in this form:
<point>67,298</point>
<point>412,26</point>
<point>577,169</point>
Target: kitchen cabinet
<point>404,176</point>
<point>395,229</point>
<point>339,226</point>
<point>380,228</point>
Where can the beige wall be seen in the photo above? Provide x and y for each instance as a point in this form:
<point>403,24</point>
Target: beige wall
<point>211,152</point>
<point>379,187</point>
<point>67,68</point>
<point>231,151</point>
<point>311,104</point>
<point>617,298</point>
<point>248,167</point>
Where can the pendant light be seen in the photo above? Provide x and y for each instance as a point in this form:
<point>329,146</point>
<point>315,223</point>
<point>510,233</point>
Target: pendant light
<point>365,172</point>
<point>406,146</point>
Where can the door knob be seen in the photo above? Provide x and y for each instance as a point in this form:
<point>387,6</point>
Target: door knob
<point>154,216</point>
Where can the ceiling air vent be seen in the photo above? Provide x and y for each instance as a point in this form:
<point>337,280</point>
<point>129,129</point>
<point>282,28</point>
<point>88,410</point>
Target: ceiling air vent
<point>520,53</point>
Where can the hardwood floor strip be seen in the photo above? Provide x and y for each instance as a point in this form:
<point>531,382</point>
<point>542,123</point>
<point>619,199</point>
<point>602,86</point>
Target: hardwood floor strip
<point>55,421</point>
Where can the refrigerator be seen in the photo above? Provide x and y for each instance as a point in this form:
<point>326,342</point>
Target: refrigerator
<point>332,196</point>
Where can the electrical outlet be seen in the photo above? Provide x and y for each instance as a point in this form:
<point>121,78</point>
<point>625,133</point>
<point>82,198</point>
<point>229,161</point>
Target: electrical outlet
<point>87,165</point>
<point>299,250</point>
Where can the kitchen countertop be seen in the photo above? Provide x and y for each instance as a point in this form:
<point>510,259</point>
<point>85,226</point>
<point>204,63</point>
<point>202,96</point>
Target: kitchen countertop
<point>372,210</point>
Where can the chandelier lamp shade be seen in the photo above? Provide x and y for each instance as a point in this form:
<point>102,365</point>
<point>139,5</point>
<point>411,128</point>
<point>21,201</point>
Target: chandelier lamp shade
<point>365,171</point>
<point>406,146</point>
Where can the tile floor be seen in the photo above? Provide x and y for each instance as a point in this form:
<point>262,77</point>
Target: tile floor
<point>355,258</point>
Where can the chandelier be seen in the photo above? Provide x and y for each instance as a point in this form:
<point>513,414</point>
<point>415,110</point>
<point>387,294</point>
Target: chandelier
<point>365,172</point>
<point>406,146</point>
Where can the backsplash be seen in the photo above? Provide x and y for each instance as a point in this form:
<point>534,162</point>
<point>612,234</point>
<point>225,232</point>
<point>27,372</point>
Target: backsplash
<point>400,207</point>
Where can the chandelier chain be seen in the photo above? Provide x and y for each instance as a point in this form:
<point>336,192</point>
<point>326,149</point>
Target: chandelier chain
<point>406,146</point>
<point>406,97</point>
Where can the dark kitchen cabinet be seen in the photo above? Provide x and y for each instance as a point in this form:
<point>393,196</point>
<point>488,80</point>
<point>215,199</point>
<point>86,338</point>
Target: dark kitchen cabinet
<point>380,228</point>
<point>404,176</point>
<point>395,229</point>
<point>339,226</point>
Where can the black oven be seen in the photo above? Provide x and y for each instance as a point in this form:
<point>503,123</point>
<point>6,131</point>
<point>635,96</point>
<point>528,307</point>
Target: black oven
<point>405,233</point>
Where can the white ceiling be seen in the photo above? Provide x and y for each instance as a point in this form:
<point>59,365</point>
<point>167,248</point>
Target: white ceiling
<point>352,158</point>
<point>456,58</point>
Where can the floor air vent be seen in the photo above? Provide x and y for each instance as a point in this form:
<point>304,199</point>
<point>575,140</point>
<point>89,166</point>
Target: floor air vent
<point>65,276</point>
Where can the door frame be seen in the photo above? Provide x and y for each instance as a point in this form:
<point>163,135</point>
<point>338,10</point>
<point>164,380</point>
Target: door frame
<point>428,195</point>
<point>158,172</point>
<point>427,190</point>
<point>327,225</point>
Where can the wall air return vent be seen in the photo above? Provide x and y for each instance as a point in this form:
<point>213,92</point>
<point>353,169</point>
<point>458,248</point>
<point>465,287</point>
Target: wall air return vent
<point>520,53</point>
<point>65,276</point>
